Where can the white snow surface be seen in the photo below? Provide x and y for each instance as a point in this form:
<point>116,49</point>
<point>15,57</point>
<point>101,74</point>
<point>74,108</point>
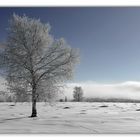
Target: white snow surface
<point>78,118</point>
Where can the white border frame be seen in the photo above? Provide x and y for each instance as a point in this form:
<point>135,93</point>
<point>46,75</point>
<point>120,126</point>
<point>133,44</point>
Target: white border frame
<point>69,3</point>
<point>73,3</point>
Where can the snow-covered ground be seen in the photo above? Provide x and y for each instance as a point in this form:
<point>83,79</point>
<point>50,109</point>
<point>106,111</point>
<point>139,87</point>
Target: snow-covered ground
<point>71,117</point>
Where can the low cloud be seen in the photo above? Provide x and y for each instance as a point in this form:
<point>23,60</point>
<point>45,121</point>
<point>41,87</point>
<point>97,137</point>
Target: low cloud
<point>125,90</point>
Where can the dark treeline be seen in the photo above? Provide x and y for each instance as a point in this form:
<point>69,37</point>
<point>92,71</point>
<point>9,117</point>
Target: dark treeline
<point>119,100</point>
<point>111,100</point>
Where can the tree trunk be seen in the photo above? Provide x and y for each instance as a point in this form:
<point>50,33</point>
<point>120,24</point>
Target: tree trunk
<point>34,111</point>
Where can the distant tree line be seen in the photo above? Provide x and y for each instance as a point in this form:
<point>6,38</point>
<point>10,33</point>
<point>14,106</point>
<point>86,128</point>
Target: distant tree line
<point>78,96</point>
<point>111,100</point>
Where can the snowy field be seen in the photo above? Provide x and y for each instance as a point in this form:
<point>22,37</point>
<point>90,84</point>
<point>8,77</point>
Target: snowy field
<point>71,118</point>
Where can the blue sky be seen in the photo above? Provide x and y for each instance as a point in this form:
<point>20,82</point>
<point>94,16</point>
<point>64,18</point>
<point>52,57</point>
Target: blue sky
<point>108,38</point>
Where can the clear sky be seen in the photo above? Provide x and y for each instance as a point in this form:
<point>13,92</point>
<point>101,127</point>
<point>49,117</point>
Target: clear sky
<point>108,38</point>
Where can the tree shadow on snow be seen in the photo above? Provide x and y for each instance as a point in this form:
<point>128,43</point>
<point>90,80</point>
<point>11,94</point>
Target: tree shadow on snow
<point>9,119</point>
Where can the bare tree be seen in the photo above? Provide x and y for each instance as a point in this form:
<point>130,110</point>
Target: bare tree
<point>78,94</point>
<point>66,99</point>
<point>32,57</point>
<point>49,91</point>
<point>20,94</point>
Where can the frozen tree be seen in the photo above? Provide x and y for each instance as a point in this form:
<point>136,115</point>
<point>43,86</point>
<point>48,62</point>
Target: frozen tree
<point>20,94</point>
<point>49,91</point>
<point>33,58</point>
<point>66,99</point>
<point>78,94</point>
